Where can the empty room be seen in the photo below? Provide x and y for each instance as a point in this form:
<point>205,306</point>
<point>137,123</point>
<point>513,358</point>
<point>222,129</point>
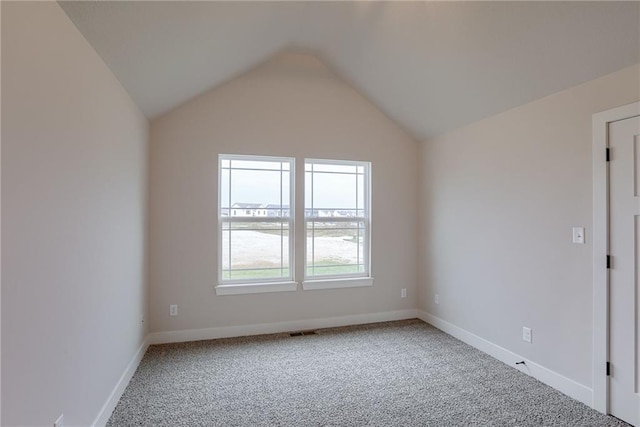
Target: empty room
<point>319,213</point>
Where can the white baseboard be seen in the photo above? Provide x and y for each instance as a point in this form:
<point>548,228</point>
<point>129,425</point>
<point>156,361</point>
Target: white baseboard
<point>551,378</point>
<point>114,397</point>
<point>273,328</point>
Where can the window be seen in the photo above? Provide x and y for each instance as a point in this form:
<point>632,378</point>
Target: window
<point>337,220</point>
<point>255,218</point>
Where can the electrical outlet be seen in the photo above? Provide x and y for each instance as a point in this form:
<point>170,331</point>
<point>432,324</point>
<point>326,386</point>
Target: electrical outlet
<point>526,334</point>
<point>437,299</point>
<point>403,293</point>
<point>59,422</point>
<point>173,310</point>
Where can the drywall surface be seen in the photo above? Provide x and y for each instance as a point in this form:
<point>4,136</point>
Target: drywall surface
<point>290,106</point>
<point>73,221</point>
<point>498,200</point>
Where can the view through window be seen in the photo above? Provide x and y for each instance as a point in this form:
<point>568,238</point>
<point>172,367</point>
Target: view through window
<point>336,219</point>
<point>256,219</point>
<point>255,202</point>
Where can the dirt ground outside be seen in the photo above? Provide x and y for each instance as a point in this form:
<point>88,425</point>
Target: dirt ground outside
<point>252,249</point>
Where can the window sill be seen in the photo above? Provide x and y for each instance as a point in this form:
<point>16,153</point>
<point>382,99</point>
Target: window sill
<point>351,282</point>
<point>255,288</point>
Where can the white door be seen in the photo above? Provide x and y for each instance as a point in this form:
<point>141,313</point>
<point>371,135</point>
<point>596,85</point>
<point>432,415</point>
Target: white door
<point>624,247</point>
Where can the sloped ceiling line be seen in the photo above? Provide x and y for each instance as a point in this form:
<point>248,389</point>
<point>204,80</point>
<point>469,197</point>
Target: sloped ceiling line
<point>431,66</point>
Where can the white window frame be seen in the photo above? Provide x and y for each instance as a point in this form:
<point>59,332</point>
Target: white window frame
<point>329,281</point>
<point>244,286</point>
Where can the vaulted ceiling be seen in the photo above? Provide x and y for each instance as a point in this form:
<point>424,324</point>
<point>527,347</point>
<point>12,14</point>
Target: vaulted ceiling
<point>431,66</point>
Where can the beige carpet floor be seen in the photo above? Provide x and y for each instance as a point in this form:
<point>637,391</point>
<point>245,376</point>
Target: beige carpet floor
<point>403,373</point>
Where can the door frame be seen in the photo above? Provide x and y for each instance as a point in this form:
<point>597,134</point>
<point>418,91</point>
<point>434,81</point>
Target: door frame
<point>600,123</point>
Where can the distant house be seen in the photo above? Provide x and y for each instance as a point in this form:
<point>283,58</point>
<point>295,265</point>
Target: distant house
<point>346,213</point>
<point>248,209</point>
<point>275,210</point>
<point>311,213</point>
<point>329,213</point>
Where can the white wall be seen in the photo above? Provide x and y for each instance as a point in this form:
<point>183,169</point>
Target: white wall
<point>291,106</point>
<point>73,200</point>
<point>498,199</point>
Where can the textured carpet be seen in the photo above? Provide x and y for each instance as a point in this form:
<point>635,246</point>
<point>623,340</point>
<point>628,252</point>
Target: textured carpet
<point>387,374</point>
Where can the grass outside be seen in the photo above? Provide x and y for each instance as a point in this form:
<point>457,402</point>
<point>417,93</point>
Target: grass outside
<point>270,273</point>
<point>323,270</point>
<point>259,273</point>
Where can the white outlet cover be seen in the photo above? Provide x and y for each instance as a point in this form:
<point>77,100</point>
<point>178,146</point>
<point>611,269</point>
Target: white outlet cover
<point>437,299</point>
<point>403,293</point>
<point>173,310</point>
<point>526,334</point>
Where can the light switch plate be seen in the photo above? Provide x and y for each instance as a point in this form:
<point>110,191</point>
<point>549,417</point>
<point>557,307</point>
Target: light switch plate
<point>578,235</point>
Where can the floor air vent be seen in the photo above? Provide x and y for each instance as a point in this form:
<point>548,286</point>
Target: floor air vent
<point>301,333</point>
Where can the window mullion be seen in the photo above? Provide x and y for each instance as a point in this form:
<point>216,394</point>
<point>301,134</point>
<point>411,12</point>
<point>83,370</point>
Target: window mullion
<point>281,228</point>
<point>313,228</point>
<point>230,198</point>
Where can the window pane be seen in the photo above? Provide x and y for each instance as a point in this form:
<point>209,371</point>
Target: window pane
<point>258,250</point>
<point>285,188</point>
<point>224,191</point>
<point>361,192</point>
<point>308,195</point>
<point>334,191</point>
<point>335,248</point>
<point>324,167</point>
<point>255,188</point>
<point>256,164</point>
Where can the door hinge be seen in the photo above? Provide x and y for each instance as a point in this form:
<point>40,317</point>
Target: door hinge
<point>608,369</point>
<point>608,154</point>
<point>608,261</point>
